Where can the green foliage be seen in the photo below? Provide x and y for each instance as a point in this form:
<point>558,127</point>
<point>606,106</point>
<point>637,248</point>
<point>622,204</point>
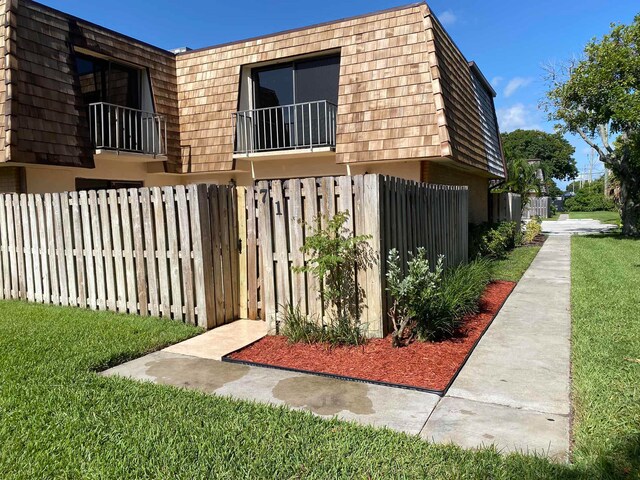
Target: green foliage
<point>590,198</point>
<point>531,230</point>
<point>522,178</point>
<point>299,328</point>
<point>411,293</point>
<point>553,151</point>
<point>493,240</point>
<point>431,303</point>
<point>597,97</point>
<point>334,255</point>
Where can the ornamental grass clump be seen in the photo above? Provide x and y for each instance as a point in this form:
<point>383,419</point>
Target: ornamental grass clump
<point>430,303</point>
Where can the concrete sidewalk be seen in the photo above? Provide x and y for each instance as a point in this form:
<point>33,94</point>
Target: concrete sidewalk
<point>566,226</point>
<point>514,390</point>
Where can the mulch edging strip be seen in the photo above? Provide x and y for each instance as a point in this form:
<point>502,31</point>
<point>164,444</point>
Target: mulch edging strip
<point>440,392</point>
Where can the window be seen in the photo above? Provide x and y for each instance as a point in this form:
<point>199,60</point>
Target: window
<point>300,81</point>
<point>105,81</point>
<point>103,184</point>
<point>293,105</point>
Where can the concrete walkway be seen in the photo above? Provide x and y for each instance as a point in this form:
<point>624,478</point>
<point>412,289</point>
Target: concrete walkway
<point>513,392</point>
<point>566,226</point>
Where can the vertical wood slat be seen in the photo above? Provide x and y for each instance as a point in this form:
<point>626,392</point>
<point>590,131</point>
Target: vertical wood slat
<point>98,252</point>
<point>76,223</point>
<point>185,254</point>
<point>234,243</point>
<point>161,251</point>
<point>67,231</point>
<point>150,251</point>
<point>216,255</point>
<point>172,247</point>
<point>138,248</point>
<point>296,239</point>
<point>12,247</point>
<point>88,250</point>
<point>111,302</point>
<point>44,206</point>
<point>225,251</point>
<point>281,254</point>
<point>314,302</point>
<point>63,274</point>
<point>241,212</point>
<point>252,254</point>
<point>4,250</point>
<point>22,289</point>
<point>127,243</point>
<point>118,257</point>
<point>30,212</point>
<point>266,255</point>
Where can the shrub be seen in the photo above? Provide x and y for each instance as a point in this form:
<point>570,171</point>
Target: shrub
<point>429,304</point>
<point>590,198</point>
<point>532,230</point>
<point>334,255</point>
<point>459,295</point>
<point>410,292</point>
<point>494,240</point>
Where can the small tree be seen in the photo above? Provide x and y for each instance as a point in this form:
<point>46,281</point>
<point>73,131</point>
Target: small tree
<point>597,97</point>
<point>334,255</point>
<point>522,178</point>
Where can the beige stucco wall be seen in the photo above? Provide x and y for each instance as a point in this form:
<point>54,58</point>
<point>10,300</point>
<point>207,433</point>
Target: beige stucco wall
<point>446,174</point>
<point>46,179</point>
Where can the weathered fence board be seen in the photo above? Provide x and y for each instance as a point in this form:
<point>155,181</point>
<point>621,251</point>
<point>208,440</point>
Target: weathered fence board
<point>126,250</point>
<point>395,213</point>
<point>537,207</point>
<point>505,207</point>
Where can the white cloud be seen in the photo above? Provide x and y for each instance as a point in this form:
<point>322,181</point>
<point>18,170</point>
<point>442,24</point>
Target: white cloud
<point>516,116</point>
<point>495,81</point>
<point>514,84</point>
<point>447,18</point>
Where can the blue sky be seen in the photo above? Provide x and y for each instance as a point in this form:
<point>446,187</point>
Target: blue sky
<point>510,40</point>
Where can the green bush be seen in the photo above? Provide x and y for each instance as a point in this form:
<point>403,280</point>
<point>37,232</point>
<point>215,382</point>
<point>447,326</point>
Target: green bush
<point>590,198</point>
<point>333,255</point>
<point>494,240</point>
<point>429,305</point>
<point>532,230</point>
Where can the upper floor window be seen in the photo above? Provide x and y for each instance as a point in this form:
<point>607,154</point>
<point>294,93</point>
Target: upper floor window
<point>295,82</point>
<point>106,81</point>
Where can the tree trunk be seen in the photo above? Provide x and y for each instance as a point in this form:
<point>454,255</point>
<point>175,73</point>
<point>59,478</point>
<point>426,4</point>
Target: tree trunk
<point>629,207</point>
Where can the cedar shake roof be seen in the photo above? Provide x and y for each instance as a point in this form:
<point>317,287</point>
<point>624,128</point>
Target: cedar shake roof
<point>405,89</point>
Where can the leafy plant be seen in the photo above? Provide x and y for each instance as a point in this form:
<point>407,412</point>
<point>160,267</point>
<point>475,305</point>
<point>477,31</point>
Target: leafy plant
<point>334,255</point>
<point>590,198</point>
<point>299,328</point>
<point>532,230</point>
<point>459,295</point>
<point>429,304</point>
<point>410,292</point>
<point>494,240</point>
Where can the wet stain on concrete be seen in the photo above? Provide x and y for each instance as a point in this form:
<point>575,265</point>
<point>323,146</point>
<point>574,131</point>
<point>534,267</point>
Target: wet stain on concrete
<point>195,373</point>
<point>324,396</point>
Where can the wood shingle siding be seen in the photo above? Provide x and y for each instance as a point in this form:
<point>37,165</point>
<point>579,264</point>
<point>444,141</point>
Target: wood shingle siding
<point>49,105</point>
<point>386,109</point>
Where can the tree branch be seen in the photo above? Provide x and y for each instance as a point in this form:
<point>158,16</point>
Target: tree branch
<point>604,136</point>
<point>591,143</point>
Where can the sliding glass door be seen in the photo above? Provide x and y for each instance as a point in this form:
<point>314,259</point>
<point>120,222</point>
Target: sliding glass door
<point>294,103</point>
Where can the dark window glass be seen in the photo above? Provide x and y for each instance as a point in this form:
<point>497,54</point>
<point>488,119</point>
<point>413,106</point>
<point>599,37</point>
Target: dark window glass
<point>273,86</point>
<point>317,79</point>
<point>104,81</point>
<point>103,184</point>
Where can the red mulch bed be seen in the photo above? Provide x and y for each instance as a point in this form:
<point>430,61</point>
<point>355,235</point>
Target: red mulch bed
<point>427,365</point>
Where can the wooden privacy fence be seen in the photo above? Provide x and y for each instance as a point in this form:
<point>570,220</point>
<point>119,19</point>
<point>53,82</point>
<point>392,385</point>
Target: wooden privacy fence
<point>505,207</point>
<point>169,251</point>
<point>537,207</point>
<point>394,212</point>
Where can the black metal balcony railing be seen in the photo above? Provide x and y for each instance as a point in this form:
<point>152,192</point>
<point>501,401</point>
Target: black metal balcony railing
<point>114,127</point>
<point>301,125</point>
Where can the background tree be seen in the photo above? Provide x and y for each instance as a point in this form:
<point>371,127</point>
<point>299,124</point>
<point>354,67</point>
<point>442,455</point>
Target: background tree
<point>553,151</point>
<point>598,98</point>
<point>522,178</point>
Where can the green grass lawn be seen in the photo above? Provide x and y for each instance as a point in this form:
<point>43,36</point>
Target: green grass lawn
<point>59,419</point>
<point>606,341</point>
<point>515,264</point>
<point>605,217</point>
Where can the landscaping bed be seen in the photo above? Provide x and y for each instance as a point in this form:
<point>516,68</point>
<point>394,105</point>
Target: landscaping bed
<point>430,366</point>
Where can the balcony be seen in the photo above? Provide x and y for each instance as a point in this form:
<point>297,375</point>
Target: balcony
<point>123,130</point>
<point>301,127</point>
